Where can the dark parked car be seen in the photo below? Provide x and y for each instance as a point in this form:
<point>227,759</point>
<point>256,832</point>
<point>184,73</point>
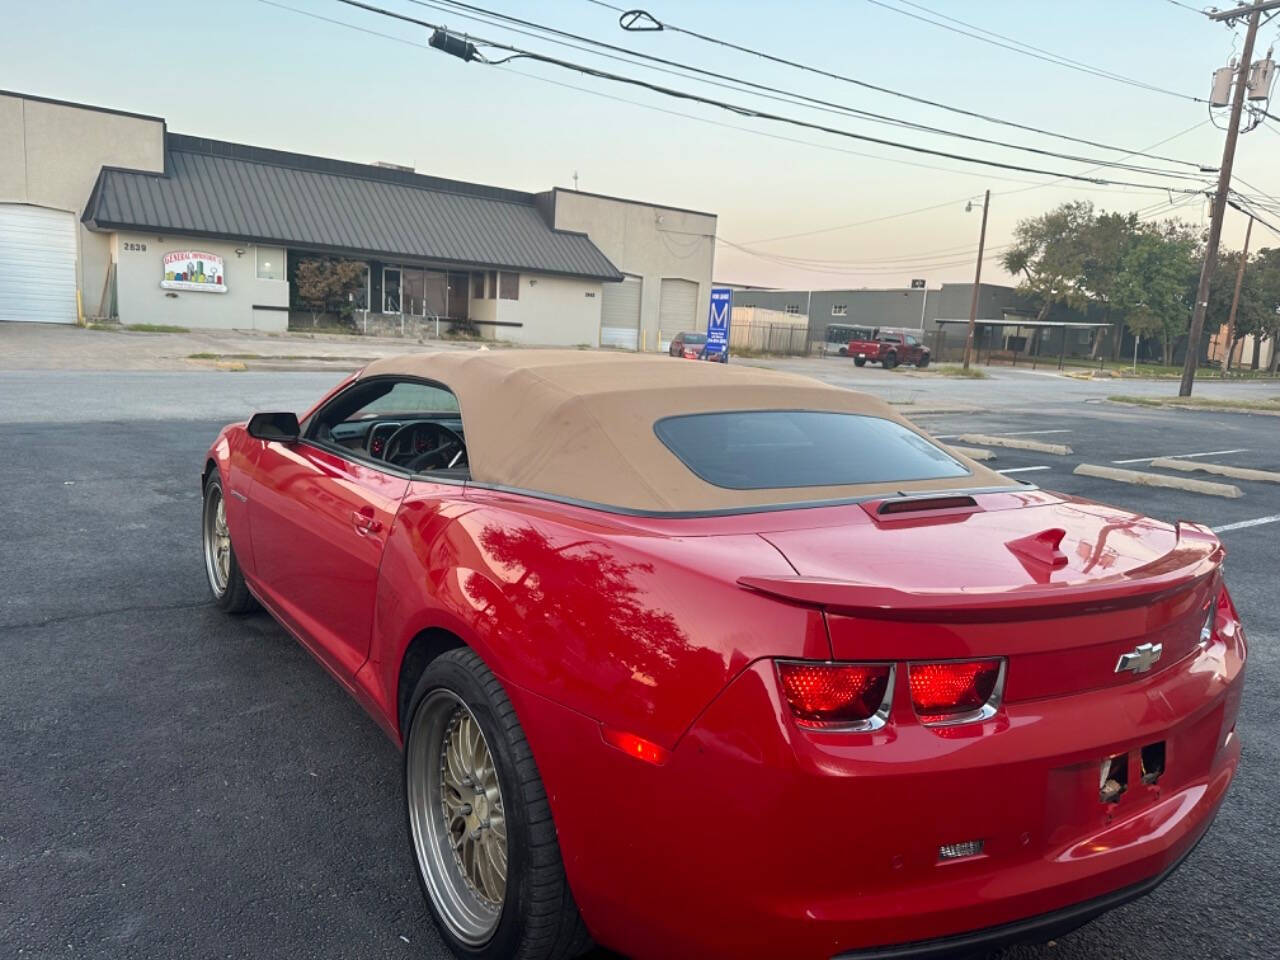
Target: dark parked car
<point>693,346</point>
<point>688,345</point>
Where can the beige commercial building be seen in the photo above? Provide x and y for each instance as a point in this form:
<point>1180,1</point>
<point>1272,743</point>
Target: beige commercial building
<point>105,213</point>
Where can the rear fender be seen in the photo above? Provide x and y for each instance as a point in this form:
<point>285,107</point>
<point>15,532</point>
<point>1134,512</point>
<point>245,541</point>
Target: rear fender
<point>592,617</point>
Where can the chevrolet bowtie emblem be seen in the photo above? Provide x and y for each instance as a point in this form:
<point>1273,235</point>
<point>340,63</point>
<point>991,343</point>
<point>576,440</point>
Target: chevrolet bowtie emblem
<point>1141,658</point>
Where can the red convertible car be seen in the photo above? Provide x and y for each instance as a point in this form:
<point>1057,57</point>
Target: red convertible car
<point>688,660</point>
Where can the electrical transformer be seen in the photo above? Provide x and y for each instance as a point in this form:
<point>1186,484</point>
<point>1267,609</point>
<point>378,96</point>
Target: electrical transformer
<point>1260,77</point>
<point>1220,96</point>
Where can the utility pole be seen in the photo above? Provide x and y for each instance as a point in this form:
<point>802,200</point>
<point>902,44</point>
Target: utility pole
<point>977,279</point>
<point>1192,360</point>
<point>1235,299</point>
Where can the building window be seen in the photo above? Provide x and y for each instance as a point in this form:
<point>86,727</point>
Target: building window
<point>493,284</point>
<point>793,308</point>
<point>840,310</point>
<point>508,286</point>
<point>477,286</point>
<point>270,263</point>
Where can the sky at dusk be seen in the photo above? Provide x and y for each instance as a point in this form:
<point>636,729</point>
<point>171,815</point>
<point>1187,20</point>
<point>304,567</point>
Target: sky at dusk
<point>799,200</point>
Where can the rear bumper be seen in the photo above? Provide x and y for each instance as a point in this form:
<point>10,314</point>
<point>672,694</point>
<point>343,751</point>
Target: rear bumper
<point>757,839</point>
<point>1041,929</point>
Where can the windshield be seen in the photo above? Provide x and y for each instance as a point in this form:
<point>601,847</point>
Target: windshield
<point>695,338</point>
<point>766,449</point>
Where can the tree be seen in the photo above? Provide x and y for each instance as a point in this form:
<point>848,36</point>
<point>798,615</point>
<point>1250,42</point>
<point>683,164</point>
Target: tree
<point>1250,314</point>
<point>1048,255</point>
<point>1267,270</point>
<point>324,285</point>
<point>1151,285</point>
<point>1104,245</point>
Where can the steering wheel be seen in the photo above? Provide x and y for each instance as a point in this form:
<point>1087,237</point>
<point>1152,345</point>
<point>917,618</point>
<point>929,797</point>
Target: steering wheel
<point>444,446</point>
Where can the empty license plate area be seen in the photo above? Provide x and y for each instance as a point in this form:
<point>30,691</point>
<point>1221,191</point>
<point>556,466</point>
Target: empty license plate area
<point>1114,772</point>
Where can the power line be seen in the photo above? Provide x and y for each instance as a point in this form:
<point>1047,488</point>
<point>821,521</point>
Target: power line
<point>1002,193</point>
<point>503,20</point>
<point>850,271</point>
<point>691,116</point>
<point>850,268</point>
<point>863,223</point>
<point>743,110</point>
<point>1027,50</point>
<point>664,25</point>
<point>1186,6</point>
<point>1251,213</point>
<point>1136,188</point>
<point>349,26</point>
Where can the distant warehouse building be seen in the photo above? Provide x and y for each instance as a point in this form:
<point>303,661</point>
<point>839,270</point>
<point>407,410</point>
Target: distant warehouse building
<point>914,309</point>
<point>1006,320</point>
<point>104,212</point>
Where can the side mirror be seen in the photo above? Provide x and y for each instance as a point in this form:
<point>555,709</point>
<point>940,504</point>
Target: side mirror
<point>275,426</point>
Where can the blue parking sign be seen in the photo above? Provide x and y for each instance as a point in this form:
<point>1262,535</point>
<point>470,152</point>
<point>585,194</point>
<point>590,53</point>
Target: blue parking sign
<point>718,320</point>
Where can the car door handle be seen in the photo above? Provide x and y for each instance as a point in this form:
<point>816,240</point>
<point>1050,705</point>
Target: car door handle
<point>365,524</point>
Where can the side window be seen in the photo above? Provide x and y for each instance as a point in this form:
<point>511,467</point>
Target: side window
<point>912,341</point>
<point>408,398</point>
<point>397,421</point>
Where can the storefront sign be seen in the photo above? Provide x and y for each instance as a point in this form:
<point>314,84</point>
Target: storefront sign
<point>193,270</point>
<point>718,320</point>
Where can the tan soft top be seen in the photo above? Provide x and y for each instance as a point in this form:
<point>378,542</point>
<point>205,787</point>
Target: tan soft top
<point>579,424</point>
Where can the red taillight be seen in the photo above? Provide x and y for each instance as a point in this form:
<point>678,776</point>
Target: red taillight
<point>836,694</point>
<point>953,690</point>
<point>636,746</point>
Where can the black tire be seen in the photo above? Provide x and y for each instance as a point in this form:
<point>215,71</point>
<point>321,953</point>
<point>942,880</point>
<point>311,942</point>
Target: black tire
<point>539,919</point>
<point>859,361</point>
<point>890,361</point>
<point>233,596</point>
<point>923,361</point>
<point>844,351</point>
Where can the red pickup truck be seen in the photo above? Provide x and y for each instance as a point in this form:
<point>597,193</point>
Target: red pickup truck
<point>890,348</point>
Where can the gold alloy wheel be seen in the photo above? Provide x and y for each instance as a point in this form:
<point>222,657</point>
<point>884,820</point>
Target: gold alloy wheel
<point>457,817</point>
<point>217,541</point>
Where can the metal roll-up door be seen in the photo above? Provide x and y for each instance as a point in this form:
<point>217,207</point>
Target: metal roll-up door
<point>37,264</point>
<point>677,310</point>
<point>620,314</point>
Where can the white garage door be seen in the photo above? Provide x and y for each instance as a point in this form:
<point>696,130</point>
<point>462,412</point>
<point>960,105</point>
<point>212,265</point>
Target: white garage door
<point>620,314</point>
<point>37,264</point>
<point>677,309</point>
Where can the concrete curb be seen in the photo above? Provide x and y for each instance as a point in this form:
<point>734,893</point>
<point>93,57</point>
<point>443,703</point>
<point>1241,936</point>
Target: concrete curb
<point>1141,479</point>
<point>1221,470</point>
<point>908,409</point>
<point>1198,408</point>
<point>973,453</point>
<point>1016,443</point>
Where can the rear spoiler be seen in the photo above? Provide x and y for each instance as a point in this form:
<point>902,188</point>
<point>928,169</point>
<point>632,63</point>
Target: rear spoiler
<point>1197,555</point>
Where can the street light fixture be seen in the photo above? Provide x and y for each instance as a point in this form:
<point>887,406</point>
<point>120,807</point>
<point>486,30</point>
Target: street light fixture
<point>977,277</point>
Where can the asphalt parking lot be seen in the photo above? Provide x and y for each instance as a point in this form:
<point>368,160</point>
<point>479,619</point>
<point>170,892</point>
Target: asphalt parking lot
<point>179,784</point>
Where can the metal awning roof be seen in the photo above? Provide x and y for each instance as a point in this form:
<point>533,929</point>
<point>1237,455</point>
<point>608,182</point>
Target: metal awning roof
<point>1055,324</point>
<point>234,192</point>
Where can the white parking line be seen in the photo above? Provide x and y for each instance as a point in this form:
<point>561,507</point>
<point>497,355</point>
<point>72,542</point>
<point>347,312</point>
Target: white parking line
<point>1010,433</point>
<point>1022,469</point>
<point>1183,456</point>
<point>1247,523</point>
